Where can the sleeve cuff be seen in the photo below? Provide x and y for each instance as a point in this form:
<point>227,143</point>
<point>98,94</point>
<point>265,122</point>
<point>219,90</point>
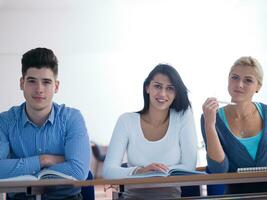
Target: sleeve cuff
<point>216,167</point>
<point>4,150</point>
<point>33,165</point>
<point>134,170</point>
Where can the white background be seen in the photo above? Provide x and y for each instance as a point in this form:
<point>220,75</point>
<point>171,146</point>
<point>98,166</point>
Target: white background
<point>106,48</point>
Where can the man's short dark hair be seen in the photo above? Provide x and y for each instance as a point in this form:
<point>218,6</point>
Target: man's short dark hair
<point>39,58</point>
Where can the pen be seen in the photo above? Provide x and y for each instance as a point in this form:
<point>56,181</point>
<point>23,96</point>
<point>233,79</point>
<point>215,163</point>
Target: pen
<point>225,102</point>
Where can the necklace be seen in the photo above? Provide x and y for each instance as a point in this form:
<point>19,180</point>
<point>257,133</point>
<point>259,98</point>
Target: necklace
<point>240,123</point>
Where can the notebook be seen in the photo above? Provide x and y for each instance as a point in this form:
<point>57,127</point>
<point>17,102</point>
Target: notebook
<point>252,169</point>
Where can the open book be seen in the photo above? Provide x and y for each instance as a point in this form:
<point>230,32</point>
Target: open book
<point>171,172</point>
<point>44,174</point>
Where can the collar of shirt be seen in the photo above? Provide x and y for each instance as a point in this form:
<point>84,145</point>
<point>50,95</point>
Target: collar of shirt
<point>26,120</point>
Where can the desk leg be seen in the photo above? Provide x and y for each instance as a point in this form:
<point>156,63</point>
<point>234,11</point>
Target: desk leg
<point>2,196</point>
<point>38,197</point>
<point>115,195</point>
<point>203,190</point>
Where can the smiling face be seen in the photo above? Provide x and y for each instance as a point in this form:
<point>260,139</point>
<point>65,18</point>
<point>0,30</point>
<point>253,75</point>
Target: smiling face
<point>161,92</point>
<point>39,87</point>
<point>243,83</point>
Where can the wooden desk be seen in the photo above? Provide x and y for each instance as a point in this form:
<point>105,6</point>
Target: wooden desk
<point>189,180</point>
<point>36,187</point>
<point>196,179</point>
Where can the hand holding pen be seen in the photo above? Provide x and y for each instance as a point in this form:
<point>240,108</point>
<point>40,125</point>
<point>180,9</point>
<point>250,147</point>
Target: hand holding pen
<point>226,102</point>
<point>210,108</point>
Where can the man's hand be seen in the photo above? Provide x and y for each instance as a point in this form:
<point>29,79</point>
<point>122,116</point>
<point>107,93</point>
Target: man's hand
<point>50,160</point>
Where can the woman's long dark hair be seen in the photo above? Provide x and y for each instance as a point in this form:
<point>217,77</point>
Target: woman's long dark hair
<point>181,101</point>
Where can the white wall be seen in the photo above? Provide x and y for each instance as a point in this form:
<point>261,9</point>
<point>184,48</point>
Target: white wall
<point>106,49</point>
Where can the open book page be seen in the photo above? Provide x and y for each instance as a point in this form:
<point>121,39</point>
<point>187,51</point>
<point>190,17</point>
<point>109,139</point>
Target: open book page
<point>44,174</point>
<point>150,174</point>
<point>20,178</point>
<point>182,172</point>
<point>171,172</point>
<point>51,174</point>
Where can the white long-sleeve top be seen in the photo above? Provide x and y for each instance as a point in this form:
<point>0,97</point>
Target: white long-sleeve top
<point>177,149</point>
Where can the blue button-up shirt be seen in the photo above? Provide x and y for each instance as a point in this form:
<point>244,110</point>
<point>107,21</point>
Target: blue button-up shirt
<point>22,142</point>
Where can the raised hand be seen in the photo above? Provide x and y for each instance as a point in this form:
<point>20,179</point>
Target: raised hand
<point>210,107</point>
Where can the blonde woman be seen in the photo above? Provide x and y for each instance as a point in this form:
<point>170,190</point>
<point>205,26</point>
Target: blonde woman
<point>236,135</point>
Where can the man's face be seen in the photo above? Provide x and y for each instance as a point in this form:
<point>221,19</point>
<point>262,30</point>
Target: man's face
<point>39,87</point>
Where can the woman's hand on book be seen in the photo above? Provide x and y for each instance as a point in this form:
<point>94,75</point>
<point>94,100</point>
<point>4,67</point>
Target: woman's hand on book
<point>50,160</point>
<point>152,167</point>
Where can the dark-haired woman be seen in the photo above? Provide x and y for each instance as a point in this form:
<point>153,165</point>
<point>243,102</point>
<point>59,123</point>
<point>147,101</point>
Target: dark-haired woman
<point>159,137</point>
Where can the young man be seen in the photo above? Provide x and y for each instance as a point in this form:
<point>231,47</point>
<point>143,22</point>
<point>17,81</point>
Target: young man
<point>41,134</point>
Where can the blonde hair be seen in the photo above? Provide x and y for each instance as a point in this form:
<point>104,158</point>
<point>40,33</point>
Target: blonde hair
<point>251,62</point>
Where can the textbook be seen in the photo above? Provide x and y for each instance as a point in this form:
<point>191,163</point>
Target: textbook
<point>252,169</point>
<point>44,174</point>
<point>171,172</point>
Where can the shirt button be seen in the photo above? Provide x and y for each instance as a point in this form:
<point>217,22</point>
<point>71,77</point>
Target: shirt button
<point>33,172</point>
<point>40,149</point>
